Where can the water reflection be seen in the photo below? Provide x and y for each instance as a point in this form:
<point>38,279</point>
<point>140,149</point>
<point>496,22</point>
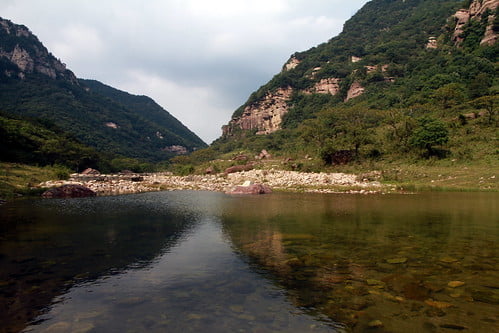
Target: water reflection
<point>408,263</point>
<point>150,262</point>
<point>47,246</point>
<point>198,261</point>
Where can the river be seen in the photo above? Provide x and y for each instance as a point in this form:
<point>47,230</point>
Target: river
<point>187,261</point>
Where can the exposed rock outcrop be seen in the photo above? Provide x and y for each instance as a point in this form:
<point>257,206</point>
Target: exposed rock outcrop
<point>176,149</point>
<point>291,64</point>
<point>356,89</point>
<point>35,59</point>
<point>490,37</point>
<point>432,43</point>
<point>326,86</point>
<point>475,12</point>
<point>264,116</point>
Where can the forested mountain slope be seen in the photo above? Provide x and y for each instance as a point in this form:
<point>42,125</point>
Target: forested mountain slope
<point>403,77</point>
<point>33,83</point>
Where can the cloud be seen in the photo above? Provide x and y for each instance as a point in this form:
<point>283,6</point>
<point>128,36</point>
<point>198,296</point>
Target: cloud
<point>77,43</point>
<point>199,59</point>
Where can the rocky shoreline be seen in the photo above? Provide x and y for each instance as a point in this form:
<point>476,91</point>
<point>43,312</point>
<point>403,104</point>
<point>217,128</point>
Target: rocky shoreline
<point>277,180</point>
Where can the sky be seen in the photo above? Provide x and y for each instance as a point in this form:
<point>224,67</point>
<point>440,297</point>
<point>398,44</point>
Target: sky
<point>199,59</point>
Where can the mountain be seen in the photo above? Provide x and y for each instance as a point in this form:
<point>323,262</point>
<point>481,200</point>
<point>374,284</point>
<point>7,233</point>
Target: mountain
<point>33,83</point>
<point>394,63</point>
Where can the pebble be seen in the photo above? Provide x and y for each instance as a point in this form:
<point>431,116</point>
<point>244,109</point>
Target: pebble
<point>278,179</point>
<point>375,323</point>
<point>455,284</point>
<point>397,261</point>
<point>438,304</point>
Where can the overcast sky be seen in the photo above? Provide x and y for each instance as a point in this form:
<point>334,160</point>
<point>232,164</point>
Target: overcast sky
<point>199,59</point>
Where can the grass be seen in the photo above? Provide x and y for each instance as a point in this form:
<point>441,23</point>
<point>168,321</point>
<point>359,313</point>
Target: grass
<point>20,179</point>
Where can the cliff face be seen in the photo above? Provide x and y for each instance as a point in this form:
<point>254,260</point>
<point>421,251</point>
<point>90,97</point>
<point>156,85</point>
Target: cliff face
<point>265,116</point>
<point>370,50</point>
<point>23,50</point>
<point>477,11</point>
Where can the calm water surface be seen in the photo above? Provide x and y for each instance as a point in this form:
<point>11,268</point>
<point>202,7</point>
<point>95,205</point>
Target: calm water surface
<point>202,261</point>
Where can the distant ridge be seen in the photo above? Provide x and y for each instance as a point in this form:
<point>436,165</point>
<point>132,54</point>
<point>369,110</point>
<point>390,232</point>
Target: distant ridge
<point>34,83</point>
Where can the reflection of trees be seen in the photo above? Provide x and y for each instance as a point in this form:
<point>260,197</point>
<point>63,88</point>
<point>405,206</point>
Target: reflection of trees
<point>47,248</point>
<point>332,253</point>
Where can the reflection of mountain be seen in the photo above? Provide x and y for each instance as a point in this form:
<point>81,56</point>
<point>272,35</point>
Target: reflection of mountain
<point>360,259</point>
<point>48,246</point>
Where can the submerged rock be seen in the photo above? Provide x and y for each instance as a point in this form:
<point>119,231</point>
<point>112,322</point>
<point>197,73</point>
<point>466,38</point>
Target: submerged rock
<point>69,191</point>
<point>375,324</point>
<point>397,261</point>
<point>455,284</point>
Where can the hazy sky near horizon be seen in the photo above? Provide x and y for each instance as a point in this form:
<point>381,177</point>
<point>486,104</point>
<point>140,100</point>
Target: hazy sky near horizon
<point>198,59</point>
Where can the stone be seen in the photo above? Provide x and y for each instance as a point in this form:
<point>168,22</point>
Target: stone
<point>90,171</point>
<point>375,324</point>
<point>455,284</point>
<point>241,158</point>
<point>438,304</point>
<point>238,168</point>
<point>69,191</point>
<point>373,282</point>
<point>448,260</point>
<point>251,189</point>
<point>397,261</point>
<point>454,327</point>
<point>264,154</point>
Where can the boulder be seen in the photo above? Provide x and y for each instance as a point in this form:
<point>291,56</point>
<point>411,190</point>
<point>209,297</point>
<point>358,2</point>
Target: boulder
<point>90,171</point>
<point>264,154</point>
<point>69,191</point>
<point>250,189</point>
<point>239,168</point>
<point>209,171</point>
<point>241,158</point>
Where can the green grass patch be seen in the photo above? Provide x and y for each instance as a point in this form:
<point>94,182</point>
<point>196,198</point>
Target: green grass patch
<point>21,179</point>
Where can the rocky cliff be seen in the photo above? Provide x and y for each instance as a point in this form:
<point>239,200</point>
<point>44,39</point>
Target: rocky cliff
<point>23,49</point>
<point>478,10</point>
<point>369,51</point>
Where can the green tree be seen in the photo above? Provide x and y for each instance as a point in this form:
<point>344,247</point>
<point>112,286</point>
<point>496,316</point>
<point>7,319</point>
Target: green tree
<point>488,103</point>
<point>450,95</point>
<point>430,133</point>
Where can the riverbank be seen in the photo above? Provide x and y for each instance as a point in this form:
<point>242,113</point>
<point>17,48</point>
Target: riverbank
<point>22,180</point>
<point>277,180</point>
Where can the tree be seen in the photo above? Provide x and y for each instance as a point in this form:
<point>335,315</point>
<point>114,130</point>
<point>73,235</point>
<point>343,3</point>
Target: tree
<point>449,95</point>
<point>488,103</point>
<point>431,132</point>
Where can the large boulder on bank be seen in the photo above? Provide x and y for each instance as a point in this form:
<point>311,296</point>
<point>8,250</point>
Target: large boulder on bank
<point>69,191</point>
<point>250,189</point>
<point>239,168</point>
<point>90,172</point>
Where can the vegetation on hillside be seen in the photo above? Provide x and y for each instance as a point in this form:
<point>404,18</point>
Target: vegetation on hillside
<point>419,103</point>
<point>142,127</point>
<point>34,84</point>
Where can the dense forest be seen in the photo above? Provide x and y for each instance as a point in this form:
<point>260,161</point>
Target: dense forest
<point>34,84</point>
